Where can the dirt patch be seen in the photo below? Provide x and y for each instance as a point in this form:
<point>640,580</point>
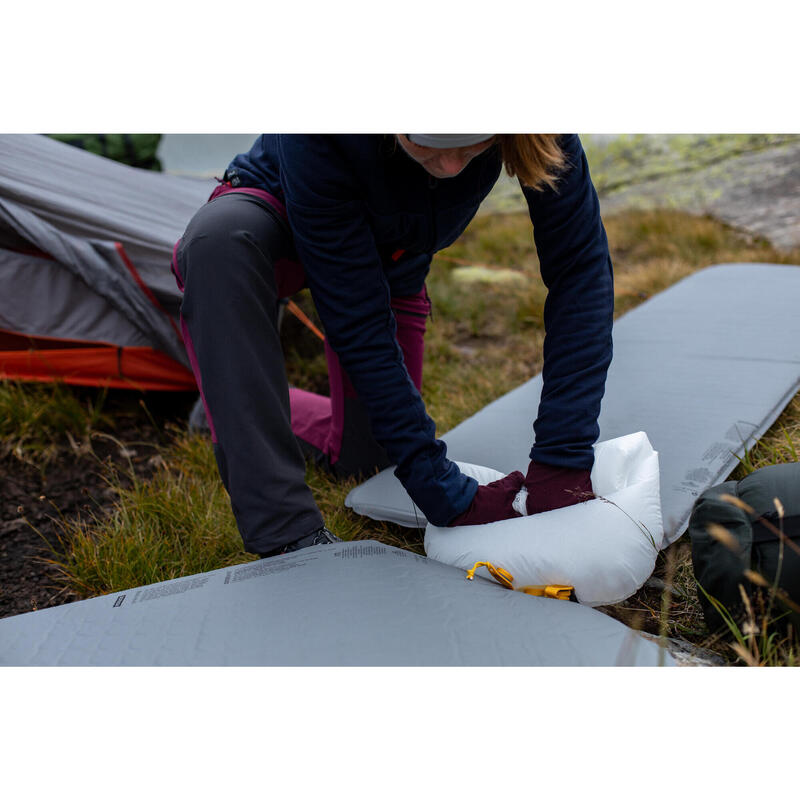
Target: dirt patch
<point>72,485</point>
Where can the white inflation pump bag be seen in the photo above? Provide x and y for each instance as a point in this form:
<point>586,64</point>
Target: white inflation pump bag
<point>605,548</point>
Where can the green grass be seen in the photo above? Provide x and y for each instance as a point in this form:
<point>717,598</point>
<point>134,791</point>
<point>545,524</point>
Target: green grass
<point>38,419</point>
<point>178,522</point>
<point>484,339</point>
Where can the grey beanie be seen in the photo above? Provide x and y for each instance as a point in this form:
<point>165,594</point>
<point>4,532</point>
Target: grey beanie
<point>443,141</point>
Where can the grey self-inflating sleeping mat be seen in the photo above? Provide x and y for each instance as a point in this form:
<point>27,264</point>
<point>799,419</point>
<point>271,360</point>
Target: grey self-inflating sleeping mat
<point>703,368</point>
<point>359,603</point>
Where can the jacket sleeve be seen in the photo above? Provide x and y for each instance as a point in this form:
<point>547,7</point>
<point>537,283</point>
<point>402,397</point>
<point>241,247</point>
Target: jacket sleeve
<point>344,272</point>
<point>578,313</point>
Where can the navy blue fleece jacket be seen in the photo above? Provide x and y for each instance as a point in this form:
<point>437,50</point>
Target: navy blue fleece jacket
<point>366,221</point>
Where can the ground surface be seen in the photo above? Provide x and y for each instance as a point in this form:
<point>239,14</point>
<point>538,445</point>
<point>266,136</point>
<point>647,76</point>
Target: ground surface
<point>33,498</point>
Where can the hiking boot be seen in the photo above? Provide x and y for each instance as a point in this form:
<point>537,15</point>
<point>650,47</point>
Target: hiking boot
<point>321,536</point>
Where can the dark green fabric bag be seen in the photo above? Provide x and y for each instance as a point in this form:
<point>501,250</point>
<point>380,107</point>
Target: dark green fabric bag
<point>135,149</point>
<point>719,571</point>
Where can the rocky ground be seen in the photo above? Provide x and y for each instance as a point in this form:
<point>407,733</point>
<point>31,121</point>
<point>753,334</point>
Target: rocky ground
<point>749,182</point>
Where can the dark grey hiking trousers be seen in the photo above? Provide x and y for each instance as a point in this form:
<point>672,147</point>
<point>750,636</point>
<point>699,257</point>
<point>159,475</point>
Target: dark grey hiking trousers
<point>226,261</point>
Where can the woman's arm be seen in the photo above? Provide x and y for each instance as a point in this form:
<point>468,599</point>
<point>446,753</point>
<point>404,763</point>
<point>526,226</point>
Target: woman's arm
<point>344,272</point>
<point>578,314</point>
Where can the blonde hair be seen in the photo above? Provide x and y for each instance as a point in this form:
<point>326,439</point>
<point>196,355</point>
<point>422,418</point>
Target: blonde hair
<point>534,158</point>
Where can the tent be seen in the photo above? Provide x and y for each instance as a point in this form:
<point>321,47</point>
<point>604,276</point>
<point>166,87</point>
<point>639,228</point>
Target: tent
<point>85,245</point>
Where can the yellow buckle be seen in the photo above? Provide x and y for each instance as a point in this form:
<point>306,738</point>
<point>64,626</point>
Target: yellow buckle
<point>506,579</point>
<point>556,591</point>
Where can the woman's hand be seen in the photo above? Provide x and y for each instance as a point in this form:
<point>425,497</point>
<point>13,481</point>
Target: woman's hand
<point>550,487</point>
<point>492,502</point>
<point>545,489</point>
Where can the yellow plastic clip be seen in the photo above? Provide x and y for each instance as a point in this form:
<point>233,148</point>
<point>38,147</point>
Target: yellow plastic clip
<point>555,591</point>
<point>502,576</point>
<point>505,578</point>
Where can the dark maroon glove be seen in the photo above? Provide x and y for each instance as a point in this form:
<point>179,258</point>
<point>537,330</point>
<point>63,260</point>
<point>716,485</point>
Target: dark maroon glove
<point>492,502</point>
<point>556,487</point>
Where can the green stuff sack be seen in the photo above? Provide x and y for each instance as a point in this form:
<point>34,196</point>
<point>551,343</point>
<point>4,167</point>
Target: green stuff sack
<point>134,149</point>
<point>720,570</point>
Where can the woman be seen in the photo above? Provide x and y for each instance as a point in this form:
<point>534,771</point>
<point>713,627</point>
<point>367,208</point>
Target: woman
<point>357,219</point>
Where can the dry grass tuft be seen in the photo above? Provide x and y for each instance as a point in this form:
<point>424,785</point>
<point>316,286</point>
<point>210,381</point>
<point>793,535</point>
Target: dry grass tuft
<point>723,536</point>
